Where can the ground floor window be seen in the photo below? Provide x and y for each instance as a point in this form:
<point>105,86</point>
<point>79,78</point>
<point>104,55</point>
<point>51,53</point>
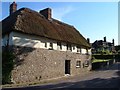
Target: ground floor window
<point>86,63</point>
<point>78,64</point>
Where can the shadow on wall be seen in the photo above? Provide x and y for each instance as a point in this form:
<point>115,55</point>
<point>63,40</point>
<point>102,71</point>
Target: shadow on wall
<point>21,53</point>
<point>26,42</point>
<point>22,50</point>
<point>13,56</point>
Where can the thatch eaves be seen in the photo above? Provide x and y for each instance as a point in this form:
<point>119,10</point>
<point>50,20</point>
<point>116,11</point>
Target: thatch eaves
<point>31,22</point>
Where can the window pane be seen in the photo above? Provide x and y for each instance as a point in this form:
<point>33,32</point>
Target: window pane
<point>59,46</point>
<point>45,44</point>
<point>78,64</point>
<point>69,47</point>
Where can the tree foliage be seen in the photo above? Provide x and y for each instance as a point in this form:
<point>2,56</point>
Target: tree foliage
<point>7,66</point>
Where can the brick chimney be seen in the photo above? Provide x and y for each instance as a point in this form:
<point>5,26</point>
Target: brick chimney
<point>104,39</point>
<point>47,13</point>
<point>13,7</point>
<point>113,42</point>
<point>88,40</point>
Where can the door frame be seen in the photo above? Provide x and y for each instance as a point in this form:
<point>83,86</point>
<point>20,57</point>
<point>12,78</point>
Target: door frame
<point>67,67</point>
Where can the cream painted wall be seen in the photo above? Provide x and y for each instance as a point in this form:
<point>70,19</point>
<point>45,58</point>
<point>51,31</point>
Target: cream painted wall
<point>20,39</point>
<point>10,38</point>
<point>89,51</point>
<point>74,48</point>
<point>64,47</point>
<point>54,45</point>
<point>6,38</point>
<point>47,41</point>
<point>83,51</point>
<point>42,44</point>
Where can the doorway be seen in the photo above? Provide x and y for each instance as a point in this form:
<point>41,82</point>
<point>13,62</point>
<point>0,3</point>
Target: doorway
<point>67,66</point>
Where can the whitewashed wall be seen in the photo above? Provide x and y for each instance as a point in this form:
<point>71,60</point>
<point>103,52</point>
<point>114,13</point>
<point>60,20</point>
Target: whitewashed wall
<point>83,51</point>
<point>20,39</point>
<point>89,51</point>
<point>74,48</point>
<point>5,39</point>
<point>64,47</point>
<point>10,38</point>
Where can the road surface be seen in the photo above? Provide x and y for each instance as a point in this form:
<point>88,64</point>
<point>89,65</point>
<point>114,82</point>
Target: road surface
<point>103,78</point>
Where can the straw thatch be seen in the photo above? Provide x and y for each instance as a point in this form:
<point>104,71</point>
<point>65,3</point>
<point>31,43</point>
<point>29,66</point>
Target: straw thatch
<point>31,22</point>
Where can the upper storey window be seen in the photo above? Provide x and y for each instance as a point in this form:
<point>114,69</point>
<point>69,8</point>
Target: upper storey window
<point>59,46</point>
<point>69,48</point>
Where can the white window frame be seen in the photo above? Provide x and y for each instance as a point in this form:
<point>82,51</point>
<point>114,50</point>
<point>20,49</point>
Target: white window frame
<point>86,63</point>
<point>78,63</point>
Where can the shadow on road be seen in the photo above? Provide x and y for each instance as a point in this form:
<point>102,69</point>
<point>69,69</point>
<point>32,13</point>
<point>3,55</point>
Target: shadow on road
<point>112,83</point>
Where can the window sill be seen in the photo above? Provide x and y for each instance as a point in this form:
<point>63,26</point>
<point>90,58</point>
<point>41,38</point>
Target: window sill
<point>77,66</point>
<point>50,48</point>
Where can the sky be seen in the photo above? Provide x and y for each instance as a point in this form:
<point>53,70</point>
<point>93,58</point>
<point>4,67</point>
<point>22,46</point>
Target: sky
<point>93,20</point>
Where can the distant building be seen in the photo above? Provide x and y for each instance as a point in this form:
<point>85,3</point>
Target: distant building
<point>45,47</point>
<point>103,47</point>
<point>117,48</point>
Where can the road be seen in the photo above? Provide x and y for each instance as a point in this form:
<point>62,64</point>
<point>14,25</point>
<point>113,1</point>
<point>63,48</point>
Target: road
<point>103,78</point>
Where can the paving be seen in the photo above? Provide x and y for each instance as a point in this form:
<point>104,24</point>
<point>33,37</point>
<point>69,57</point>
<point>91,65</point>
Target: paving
<point>102,78</point>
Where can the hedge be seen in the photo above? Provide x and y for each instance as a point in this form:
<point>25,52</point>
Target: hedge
<point>103,56</point>
<point>7,66</point>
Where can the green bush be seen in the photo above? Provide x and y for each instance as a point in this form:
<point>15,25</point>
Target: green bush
<point>103,56</point>
<point>7,66</point>
<point>119,52</point>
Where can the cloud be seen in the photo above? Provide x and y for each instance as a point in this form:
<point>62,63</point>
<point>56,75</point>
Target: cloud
<point>60,12</point>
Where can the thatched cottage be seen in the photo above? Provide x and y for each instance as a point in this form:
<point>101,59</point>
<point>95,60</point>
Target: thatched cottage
<point>45,48</point>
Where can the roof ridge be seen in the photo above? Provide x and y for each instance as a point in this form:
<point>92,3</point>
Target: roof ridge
<point>60,22</point>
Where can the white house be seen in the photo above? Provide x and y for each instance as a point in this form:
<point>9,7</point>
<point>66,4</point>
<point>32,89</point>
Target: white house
<point>57,48</point>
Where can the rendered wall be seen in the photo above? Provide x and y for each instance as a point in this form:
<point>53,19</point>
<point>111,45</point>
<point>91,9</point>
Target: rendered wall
<point>20,39</point>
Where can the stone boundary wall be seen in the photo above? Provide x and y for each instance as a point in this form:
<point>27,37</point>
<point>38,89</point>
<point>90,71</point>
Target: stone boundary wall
<point>33,65</point>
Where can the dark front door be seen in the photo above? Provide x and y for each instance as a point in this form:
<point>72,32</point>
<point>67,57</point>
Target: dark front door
<point>67,66</point>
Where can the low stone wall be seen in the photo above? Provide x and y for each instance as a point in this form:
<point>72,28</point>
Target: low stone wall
<point>33,65</point>
<point>101,65</point>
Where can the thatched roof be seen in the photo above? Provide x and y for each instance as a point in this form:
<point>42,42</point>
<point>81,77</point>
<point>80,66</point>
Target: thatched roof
<point>31,22</point>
